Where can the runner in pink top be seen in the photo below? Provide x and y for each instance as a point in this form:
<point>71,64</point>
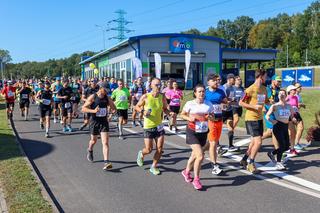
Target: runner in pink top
<point>175,96</point>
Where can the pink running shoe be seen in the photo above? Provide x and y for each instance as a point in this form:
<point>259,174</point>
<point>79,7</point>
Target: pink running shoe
<point>196,183</point>
<point>187,176</point>
<point>293,152</point>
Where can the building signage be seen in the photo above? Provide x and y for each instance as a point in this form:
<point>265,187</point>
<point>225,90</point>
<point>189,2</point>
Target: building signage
<point>181,44</point>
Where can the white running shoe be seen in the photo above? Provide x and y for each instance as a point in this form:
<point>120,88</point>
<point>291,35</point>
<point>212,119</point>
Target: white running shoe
<point>216,170</point>
<point>280,166</point>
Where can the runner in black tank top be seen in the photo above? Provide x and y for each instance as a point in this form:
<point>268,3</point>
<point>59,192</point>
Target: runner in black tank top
<point>97,105</point>
<point>45,107</point>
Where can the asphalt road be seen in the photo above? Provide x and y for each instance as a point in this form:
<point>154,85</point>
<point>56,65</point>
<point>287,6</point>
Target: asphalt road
<point>80,186</point>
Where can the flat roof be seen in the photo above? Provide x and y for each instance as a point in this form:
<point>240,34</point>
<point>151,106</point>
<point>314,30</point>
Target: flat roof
<point>136,38</point>
<point>248,55</point>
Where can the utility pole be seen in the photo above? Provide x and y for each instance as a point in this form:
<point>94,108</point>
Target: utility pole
<point>103,29</point>
<point>121,26</point>
<point>287,55</point>
<point>307,62</point>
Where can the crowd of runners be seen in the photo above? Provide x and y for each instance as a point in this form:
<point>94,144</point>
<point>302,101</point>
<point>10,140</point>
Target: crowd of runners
<point>101,101</point>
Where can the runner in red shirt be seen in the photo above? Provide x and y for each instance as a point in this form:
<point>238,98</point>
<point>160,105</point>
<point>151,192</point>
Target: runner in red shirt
<point>9,92</point>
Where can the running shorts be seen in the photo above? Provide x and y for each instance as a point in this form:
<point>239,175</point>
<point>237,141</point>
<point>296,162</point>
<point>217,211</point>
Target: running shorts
<point>175,109</point>
<point>254,128</point>
<point>96,127</point>
<point>215,129</point>
<point>122,113</point>
<point>237,110</point>
<point>24,104</point>
<point>10,105</point>
<point>227,115</point>
<point>45,111</point>
<point>153,133</point>
<point>196,138</point>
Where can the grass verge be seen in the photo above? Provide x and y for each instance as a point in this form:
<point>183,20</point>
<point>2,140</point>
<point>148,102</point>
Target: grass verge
<point>22,192</point>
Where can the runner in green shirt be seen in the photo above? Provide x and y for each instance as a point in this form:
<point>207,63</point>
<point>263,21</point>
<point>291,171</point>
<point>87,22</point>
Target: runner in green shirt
<point>122,99</point>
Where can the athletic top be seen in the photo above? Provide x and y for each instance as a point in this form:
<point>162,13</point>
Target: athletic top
<point>155,104</point>
<point>200,112</point>
<point>75,89</point>
<point>273,93</point>
<point>9,92</point>
<point>137,91</point>
<point>89,91</point>
<point>174,96</point>
<point>113,86</point>
<point>230,93</point>
<point>55,89</point>
<point>65,91</point>
<point>282,113</point>
<point>239,93</point>
<point>121,98</point>
<point>255,96</point>
<point>25,94</point>
<point>103,103</point>
<point>45,97</point>
<point>215,97</point>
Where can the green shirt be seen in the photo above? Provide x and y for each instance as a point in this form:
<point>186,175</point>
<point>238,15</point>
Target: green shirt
<point>121,98</point>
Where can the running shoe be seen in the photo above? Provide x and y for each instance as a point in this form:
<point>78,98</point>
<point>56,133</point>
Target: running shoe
<point>232,149</point>
<point>304,145</point>
<point>187,176</point>
<point>121,137</point>
<point>140,123</point>
<point>90,156</point>
<point>272,158</point>
<point>221,151</point>
<point>243,164</point>
<point>107,166</point>
<point>293,153</point>
<point>280,166</point>
<point>47,135</point>
<point>140,159</point>
<point>284,158</point>
<point>216,170</point>
<point>298,147</point>
<point>65,129</point>
<point>25,118</point>
<point>196,183</point>
<point>41,126</point>
<point>82,127</point>
<point>251,167</point>
<point>154,170</point>
<point>134,124</point>
<point>69,129</point>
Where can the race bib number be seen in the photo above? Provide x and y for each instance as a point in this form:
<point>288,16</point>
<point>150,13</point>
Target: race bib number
<point>284,113</point>
<point>175,101</point>
<point>123,98</point>
<point>102,112</point>
<point>73,98</point>
<point>67,105</point>
<point>138,96</point>
<point>217,109</point>
<point>25,96</point>
<point>160,128</point>
<point>46,101</point>
<point>201,126</point>
<point>10,94</point>
<point>261,98</point>
<point>239,94</point>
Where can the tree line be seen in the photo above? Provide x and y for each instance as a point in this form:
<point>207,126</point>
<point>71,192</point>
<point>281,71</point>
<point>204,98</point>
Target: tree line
<point>295,36</point>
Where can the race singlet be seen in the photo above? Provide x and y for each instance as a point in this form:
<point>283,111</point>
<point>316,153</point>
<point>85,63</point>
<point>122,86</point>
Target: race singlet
<point>284,114</point>
<point>201,126</point>
<point>102,112</point>
<point>25,96</point>
<point>46,102</point>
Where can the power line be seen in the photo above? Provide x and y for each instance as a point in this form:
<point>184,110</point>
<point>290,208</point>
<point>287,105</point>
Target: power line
<point>121,26</point>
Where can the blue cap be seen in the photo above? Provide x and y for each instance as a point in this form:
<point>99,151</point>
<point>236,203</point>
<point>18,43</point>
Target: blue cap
<point>58,78</point>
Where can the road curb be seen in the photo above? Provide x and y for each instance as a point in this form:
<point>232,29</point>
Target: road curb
<point>32,166</point>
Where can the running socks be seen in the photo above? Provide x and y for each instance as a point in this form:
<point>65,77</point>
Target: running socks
<point>245,157</point>
<point>230,137</point>
<point>47,129</point>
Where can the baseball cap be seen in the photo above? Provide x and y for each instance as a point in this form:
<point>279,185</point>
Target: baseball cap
<point>291,87</point>
<point>276,78</point>
<point>230,75</point>
<point>58,79</point>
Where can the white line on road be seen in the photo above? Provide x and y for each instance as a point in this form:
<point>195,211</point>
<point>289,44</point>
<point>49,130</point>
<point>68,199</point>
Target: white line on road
<point>266,168</point>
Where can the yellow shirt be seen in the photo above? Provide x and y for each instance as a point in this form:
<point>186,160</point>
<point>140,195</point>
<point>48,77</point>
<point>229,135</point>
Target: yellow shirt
<point>255,96</point>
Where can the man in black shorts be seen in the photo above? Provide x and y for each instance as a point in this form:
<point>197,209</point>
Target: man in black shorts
<point>65,94</point>
<point>92,89</point>
<point>137,91</point>
<point>236,108</point>
<point>97,105</point>
<point>45,98</point>
<point>24,96</point>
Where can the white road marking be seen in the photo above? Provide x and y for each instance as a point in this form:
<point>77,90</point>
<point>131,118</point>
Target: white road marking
<point>266,168</point>
<point>242,142</point>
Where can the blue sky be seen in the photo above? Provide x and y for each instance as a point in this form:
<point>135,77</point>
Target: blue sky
<point>37,30</point>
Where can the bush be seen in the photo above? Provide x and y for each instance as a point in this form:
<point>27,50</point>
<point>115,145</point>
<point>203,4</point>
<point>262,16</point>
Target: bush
<point>313,133</point>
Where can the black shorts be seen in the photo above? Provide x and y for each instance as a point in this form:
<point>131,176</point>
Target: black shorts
<point>76,101</point>
<point>153,133</point>
<point>297,116</point>
<point>96,127</point>
<point>175,109</point>
<point>122,113</point>
<point>87,116</point>
<point>196,138</point>
<point>24,104</point>
<point>10,105</point>
<point>134,102</point>
<point>254,128</point>
<point>237,110</point>
<point>168,100</point>
<point>66,111</point>
<point>56,105</point>
<point>45,111</point>
<point>227,115</point>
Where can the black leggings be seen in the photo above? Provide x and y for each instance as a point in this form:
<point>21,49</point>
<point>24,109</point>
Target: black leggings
<point>280,131</point>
